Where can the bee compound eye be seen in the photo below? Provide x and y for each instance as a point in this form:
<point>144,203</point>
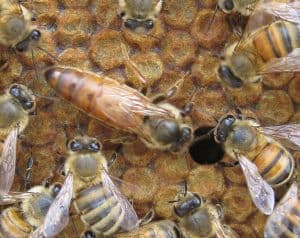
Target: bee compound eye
<point>15,91</point>
<point>75,145</point>
<point>94,146</point>
<point>228,5</point>
<point>35,35</point>
<point>56,189</point>
<point>149,24</point>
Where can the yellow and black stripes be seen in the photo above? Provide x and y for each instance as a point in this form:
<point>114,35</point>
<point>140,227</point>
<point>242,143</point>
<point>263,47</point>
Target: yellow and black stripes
<point>274,164</point>
<point>100,209</point>
<point>287,225</point>
<point>277,40</point>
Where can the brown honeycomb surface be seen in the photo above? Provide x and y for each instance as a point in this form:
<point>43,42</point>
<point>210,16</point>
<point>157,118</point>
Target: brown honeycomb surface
<point>184,42</point>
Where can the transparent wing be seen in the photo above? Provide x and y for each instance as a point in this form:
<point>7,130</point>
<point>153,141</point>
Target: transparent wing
<point>8,162</point>
<point>283,208</point>
<point>57,217</point>
<point>14,197</point>
<point>288,134</point>
<point>287,11</point>
<point>261,192</point>
<point>220,230</point>
<point>131,220</point>
<point>290,63</point>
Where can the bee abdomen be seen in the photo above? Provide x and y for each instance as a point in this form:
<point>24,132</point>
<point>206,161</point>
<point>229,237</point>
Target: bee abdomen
<point>287,226</point>
<point>12,224</point>
<point>164,228</point>
<point>277,40</point>
<point>101,211</point>
<point>274,164</point>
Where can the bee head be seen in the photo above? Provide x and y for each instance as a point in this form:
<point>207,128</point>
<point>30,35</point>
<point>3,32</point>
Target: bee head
<point>186,204</point>
<point>223,128</point>
<point>170,132</point>
<point>23,45</point>
<point>24,96</point>
<point>84,144</point>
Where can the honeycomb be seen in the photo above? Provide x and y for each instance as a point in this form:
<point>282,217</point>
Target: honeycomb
<point>88,34</point>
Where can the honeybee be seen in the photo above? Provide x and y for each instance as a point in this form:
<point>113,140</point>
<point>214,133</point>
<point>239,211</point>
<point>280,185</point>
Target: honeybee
<point>199,218</point>
<point>268,45</point>
<point>102,207</point>
<point>157,229</point>
<point>264,161</point>
<point>284,221</point>
<point>158,125</point>
<point>244,7</point>
<point>15,106</point>
<point>139,15</point>
<point>43,214</point>
<point>16,28</point>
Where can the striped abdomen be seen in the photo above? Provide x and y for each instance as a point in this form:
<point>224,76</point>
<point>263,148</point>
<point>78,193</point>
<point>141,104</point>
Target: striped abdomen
<point>101,212</point>
<point>277,40</point>
<point>287,226</point>
<point>13,225</point>
<point>165,229</point>
<point>275,164</point>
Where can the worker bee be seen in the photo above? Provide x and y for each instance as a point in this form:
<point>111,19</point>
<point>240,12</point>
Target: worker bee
<point>284,221</point>
<point>43,214</point>
<point>15,106</point>
<point>264,161</point>
<point>139,15</point>
<point>199,218</point>
<point>16,28</point>
<point>268,45</point>
<point>157,123</point>
<point>244,7</point>
<point>102,207</point>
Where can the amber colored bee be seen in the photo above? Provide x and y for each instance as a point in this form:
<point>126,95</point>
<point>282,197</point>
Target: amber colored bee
<point>139,14</point>
<point>264,161</point>
<point>39,215</point>
<point>198,218</point>
<point>284,221</point>
<point>267,45</point>
<point>159,125</point>
<point>16,28</point>
<point>102,207</point>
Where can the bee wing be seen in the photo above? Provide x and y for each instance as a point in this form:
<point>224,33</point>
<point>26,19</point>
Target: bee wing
<point>14,197</point>
<point>290,63</point>
<point>57,217</point>
<point>288,134</point>
<point>289,11</point>
<point>286,204</point>
<point>130,220</point>
<point>8,162</point>
<point>261,192</point>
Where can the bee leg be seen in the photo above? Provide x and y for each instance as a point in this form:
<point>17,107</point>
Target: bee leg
<point>148,217</point>
<point>114,156</point>
<point>187,110</point>
<point>225,164</point>
<point>28,172</point>
<point>171,92</point>
<point>3,65</point>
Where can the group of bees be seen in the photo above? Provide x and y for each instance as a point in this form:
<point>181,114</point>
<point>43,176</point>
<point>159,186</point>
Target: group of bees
<point>269,43</point>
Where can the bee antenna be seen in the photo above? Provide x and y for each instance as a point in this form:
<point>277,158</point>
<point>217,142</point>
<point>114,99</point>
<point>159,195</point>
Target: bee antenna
<point>148,217</point>
<point>48,53</point>
<point>46,97</point>
<point>212,18</point>
<point>34,65</point>
<point>79,129</point>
